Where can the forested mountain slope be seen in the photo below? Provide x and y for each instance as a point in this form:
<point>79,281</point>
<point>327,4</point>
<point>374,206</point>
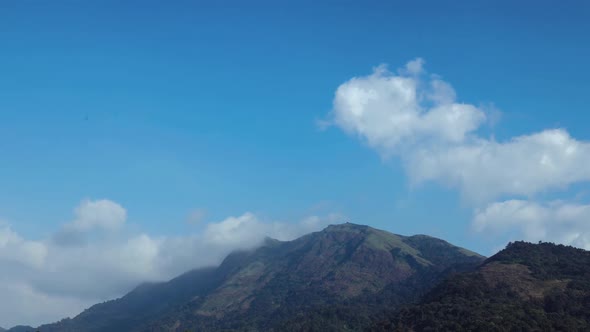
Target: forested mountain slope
<point>525,287</point>
<point>341,278</point>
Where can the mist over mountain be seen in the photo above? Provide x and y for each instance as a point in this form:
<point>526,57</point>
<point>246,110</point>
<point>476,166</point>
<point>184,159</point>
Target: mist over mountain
<point>351,277</point>
<point>22,328</point>
<point>340,278</point>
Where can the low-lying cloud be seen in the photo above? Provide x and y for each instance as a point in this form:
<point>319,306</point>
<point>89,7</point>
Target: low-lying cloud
<point>556,221</point>
<point>95,257</point>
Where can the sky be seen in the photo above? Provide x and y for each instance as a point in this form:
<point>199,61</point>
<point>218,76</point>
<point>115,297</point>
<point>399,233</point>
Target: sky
<point>140,139</point>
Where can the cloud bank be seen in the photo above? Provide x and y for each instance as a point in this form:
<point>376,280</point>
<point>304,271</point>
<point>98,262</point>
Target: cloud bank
<point>556,221</point>
<point>94,258</point>
<point>416,117</point>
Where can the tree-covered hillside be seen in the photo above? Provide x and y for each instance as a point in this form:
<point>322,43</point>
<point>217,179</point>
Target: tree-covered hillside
<point>525,287</point>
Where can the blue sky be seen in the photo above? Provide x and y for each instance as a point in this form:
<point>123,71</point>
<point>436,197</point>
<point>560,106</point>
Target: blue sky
<point>170,107</point>
<point>167,108</point>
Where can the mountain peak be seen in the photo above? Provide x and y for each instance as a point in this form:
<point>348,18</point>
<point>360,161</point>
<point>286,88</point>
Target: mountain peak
<point>270,285</point>
<point>270,242</point>
<point>347,226</point>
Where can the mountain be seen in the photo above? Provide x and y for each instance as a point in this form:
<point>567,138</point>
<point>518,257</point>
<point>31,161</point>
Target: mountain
<point>525,287</point>
<point>21,328</point>
<point>337,279</point>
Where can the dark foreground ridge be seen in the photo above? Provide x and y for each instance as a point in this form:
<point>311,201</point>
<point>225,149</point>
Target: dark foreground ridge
<point>525,287</point>
<point>345,277</point>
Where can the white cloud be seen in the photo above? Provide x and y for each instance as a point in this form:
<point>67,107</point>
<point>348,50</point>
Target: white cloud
<point>418,119</point>
<point>415,67</point>
<point>99,214</point>
<point>234,230</point>
<point>485,169</point>
<point>15,249</point>
<point>247,229</point>
<point>52,280</point>
<point>556,221</point>
<point>21,303</point>
<point>391,112</point>
<point>92,218</point>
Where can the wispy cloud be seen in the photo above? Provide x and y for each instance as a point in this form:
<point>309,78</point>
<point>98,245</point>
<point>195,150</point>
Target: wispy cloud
<point>196,216</point>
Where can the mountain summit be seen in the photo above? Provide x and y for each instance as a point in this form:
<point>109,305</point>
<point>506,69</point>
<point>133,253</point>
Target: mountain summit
<point>323,276</point>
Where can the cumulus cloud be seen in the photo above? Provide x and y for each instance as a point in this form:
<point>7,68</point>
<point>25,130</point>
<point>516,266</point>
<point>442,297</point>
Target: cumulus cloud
<point>99,214</point>
<point>92,218</point>
<point>391,112</point>
<point>17,250</point>
<point>416,117</point>
<point>485,169</point>
<point>555,221</point>
<point>52,280</point>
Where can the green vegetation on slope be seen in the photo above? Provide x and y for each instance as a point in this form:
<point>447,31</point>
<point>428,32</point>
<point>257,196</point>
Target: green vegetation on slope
<point>335,280</point>
<point>526,287</point>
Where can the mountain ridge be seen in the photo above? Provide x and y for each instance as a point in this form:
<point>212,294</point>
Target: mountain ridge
<point>262,288</point>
